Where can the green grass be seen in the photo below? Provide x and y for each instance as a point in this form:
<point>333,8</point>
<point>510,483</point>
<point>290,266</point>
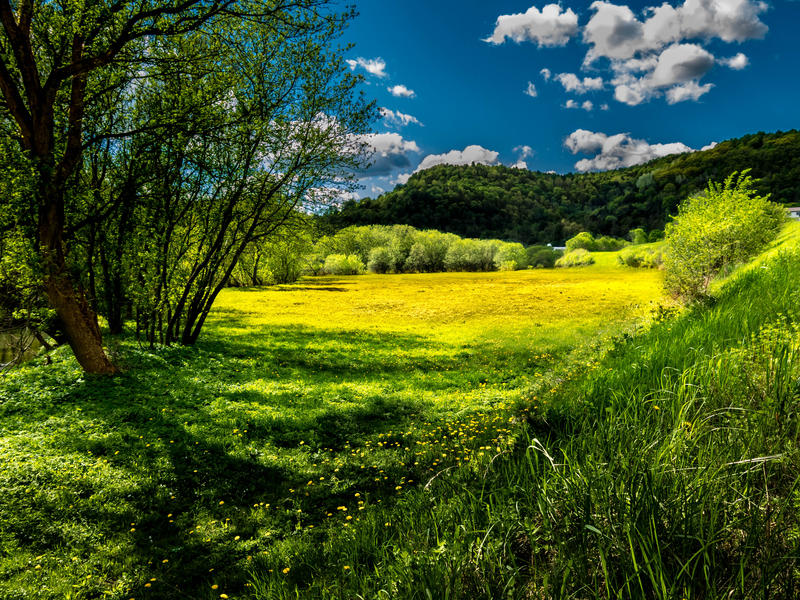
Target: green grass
<point>667,469</point>
<point>209,466</point>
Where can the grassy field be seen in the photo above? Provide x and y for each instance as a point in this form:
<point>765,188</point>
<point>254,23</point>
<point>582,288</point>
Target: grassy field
<point>307,412</point>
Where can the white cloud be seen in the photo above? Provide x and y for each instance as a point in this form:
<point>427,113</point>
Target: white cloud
<point>573,83</point>
<point>548,27</point>
<point>738,62</point>
<point>681,63</point>
<point>588,106</point>
<point>648,52</point>
<point>388,152</point>
<point>401,91</point>
<point>546,74</point>
<point>604,106</point>
<point>468,156</point>
<point>616,151</point>
<point>523,152</point>
<point>690,90</point>
<point>711,146</point>
<point>402,178</point>
<point>615,32</point>
<point>374,66</point>
<point>531,90</point>
<point>397,119</point>
<point>674,72</point>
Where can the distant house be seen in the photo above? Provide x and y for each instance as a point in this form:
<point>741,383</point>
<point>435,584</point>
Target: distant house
<point>794,212</point>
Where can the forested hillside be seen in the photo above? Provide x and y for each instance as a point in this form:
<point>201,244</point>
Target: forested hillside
<point>534,207</point>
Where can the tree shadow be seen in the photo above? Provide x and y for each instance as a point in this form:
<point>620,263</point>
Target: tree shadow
<point>185,438</point>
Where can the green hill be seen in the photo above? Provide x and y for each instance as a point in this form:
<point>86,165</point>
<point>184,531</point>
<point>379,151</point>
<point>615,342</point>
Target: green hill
<point>534,207</point>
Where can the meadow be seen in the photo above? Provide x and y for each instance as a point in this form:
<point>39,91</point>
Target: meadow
<point>306,411</point>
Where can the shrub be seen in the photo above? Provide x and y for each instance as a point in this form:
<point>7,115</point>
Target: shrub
<point>380,260</point>
<point>429,251</point>
<point>543,256</point>
<point>725,226</point>
<point>638,236</point>
<point>343,264</point>
<point>576,258</point>
<point>584,240</point>
<point>471,255</point>
<point>511,257</point>
<point>641,258</point>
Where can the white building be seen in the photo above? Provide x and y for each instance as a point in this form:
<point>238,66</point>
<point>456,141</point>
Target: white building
<point>794,212</point>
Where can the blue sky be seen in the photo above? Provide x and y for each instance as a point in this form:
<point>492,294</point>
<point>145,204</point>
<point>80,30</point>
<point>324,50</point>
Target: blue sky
<point>607,84</point>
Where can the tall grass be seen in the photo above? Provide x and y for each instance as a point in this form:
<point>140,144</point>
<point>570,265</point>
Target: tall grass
<point>669,469</point>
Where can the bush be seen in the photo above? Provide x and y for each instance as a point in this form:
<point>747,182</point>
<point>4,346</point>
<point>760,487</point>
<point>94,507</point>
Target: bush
<point>725,226</point>
<point>638,236</point>
<point>543,257</point>
<point>343,264</point>
<point>586,241</point>
<point>429,251</point>
<point>641,258</point>
<point>511,257</point>
<point>471,255</point>
<point>576,258</point>
<point>380,260</point>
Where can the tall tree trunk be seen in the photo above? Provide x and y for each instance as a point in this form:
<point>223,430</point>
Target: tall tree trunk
<point>67,299</point>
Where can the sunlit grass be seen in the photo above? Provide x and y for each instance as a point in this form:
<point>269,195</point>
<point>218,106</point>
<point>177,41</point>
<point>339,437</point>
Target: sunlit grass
<point>303,408</point>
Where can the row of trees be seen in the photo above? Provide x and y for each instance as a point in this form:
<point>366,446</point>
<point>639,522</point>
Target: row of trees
<point>147,148</point>
<point>539,208</point>
<point>405,249</point>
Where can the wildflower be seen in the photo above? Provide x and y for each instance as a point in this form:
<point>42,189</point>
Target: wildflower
<point>286,571</point>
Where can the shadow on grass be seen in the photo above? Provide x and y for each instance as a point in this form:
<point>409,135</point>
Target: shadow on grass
<point>204,435</point>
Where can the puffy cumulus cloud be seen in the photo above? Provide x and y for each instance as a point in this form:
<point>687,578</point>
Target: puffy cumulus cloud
<point>548,27</point>
<point>374,66</point>
<point>397,119</point>
<point>681,63</point>
<point>467,156</point>
<point>401,91</point>
<point>573,83</point>
<point>616,151</point>
<point>711,146</point>
<point>649,54</point>
<point>546,74</point>
<point>674,72</point>
<point>615,32</point>
<point>388,152</point>
<point>401,179</point>
<point>588,106</point>
<point>690,90</point>
<point>531,90</point>
<point>523,152</point>
<point>738,62</point>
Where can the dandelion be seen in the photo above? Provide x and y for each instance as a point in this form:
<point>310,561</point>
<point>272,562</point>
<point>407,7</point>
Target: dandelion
<point>214,587</point>
<point>286,571</point>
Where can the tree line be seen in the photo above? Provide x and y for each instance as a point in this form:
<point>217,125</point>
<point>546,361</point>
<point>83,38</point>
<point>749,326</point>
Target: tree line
<point>539,208</point>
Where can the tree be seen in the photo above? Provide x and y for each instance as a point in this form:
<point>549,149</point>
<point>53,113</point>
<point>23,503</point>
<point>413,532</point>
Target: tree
<point>75,65</point>
<point>726,225</point>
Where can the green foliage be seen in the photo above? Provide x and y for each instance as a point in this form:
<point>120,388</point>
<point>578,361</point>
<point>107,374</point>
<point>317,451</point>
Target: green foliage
<point>543,256</point>
<point>380,260</point>
<point>727,225</point>
<point>638,236</point>
<point>587,241</point>
<point>471,255</point>
<point>575,258</point>
<point>478,201</point>
<point>511,257</point>
<point>343,264</point>
<point>647,258</point>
